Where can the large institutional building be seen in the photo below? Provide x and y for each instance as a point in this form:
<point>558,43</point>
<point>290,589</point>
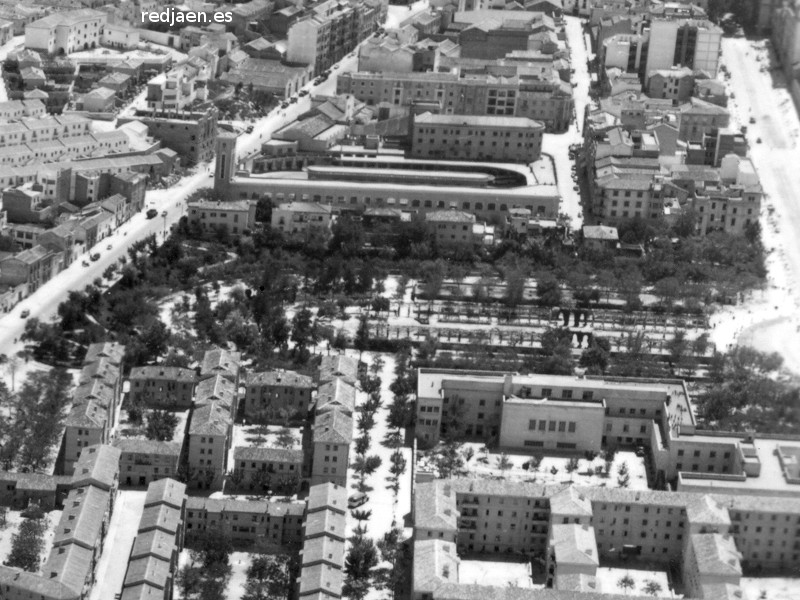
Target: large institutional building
<point>354,183</point>
<point>730,502</point>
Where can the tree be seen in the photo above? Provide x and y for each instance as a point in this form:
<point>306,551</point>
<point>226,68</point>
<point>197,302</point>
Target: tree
<point>504,464</point>
<point>626,583</point>
<point>548,290</point>
<point>595,358</point>
<point>361,341</point>
<point>667,290</point>
<point>190,580</point>
<point>304,329</point>
<point>361,558</point>
<point>27,545</point>
<point>161,425</point>
<point>651,588</point>
<point>211,548</point>
<point>572,466</point>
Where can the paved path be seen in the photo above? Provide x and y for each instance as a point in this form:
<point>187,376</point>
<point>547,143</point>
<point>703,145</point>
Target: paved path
<point>117,548</point>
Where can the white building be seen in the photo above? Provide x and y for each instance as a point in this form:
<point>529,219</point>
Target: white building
<point>66,32</point>
<point>689,43</point>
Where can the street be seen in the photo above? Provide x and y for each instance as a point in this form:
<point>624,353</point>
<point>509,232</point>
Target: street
<point>768,321</point>
<point>557,145</point>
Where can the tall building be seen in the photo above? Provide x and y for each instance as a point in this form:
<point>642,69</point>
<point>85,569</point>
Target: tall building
<point>333,29</point>
<point>688,43</point>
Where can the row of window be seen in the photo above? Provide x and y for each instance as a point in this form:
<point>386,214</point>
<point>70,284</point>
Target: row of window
<point>568,426</point>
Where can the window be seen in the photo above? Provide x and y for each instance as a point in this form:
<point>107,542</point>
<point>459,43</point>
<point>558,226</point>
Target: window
<point>532,424</point>
<point>552,426</point>
<point>571,427</point>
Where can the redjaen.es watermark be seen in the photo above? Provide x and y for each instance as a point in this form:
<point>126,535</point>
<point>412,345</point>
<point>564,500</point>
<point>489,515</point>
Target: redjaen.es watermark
<point>171,17</point>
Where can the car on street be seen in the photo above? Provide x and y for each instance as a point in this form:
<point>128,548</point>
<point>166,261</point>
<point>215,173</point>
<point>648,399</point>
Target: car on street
<point>84,263</point>
<point>249,129</point>
<point>108,247</point>
<point>752,120</point>
<point>25,313</point>
<point>152,213</point>
<point>164,214</point>
<point>303,93</point>
<point>284,105</point>
<point>293,100</point>
<point>575,188</point>
<point>758,141</point>
<point>357,500</point>
<point>94,257</point>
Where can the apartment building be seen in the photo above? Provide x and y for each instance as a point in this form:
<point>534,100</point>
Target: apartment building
<point>546,99</point>
<point>331,435</point>
<point>66,32</point>
<point>575,529</point>
<point>210,432</point>
<point>277,396</point>
<point>12,110</point>
<point>283,466</point>
<point>504,139</point>
<point>454,228</point>
<point>331,30</point>
<point>190,134</point>
<point>235,217</point>
<point>68,573</point>
<point>323,552</point>
<point>162,387</point>
<point>692,43</point>
<point>154,557</point>
<point>271,525</point>
<point>144,461</point>
<point>31,268</point>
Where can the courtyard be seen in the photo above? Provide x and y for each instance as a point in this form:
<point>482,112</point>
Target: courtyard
<point>636,582</point>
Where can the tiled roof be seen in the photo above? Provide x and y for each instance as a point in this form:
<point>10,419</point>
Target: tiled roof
<point>324,549</point>
<point>574,544</point>
<point>70,565</point>
<point>435,506</point>
<point>83,516</point>
<point>336,394</point>
<point>333,427</point>
<point>715,554</point>
<point>435,562</point>
<point>136,446</point>
<point>450,216</point>
<point>97,465</point>
<point>211,419</point>
<point>325,522</point>
<point>112,351</point>
<point>160,516</point>
<point>148,569</point>
<point>30,584</point>
<point>600,232</point>
<point>169,373</point>
<point>156,543</point>
<point>217,389</point>
<point>321,577</point>
<point>165,491</point>
<point>280,378</point>
<point>218,360</point>
<point>327,495</point>
<point>345,367</point>
<point>282,455</point>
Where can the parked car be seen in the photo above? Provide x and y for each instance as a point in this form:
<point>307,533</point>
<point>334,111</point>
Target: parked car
<point>357,500</point>
<point>640,451</point>
<point>284,105</point>
<point>303,93</point>
<point>752,120</point>
<point>94,257</point>
<point>152,213</point>
<point>108,247</point>
<point>84,263</point>
<point>25,313</point>
<point>293,100</point>
<point>164,214</point>
<point>249,129</point>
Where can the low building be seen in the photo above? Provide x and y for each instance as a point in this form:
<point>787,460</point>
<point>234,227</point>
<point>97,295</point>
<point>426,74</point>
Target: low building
<point>336,395</point>
<point>162,387</point>
<point>272,525</point>
<point>99,100</point>
<point>144,461</point>
<point>275,396</point>
<point>453,137</point>
<point>235,217</point>
<point>600,237</point>
<point>259,468</point>
<point>302,220</point>
<point>338,366</point>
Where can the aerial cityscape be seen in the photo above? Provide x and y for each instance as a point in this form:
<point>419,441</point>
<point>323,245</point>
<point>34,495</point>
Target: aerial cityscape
<point>395,300</point>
